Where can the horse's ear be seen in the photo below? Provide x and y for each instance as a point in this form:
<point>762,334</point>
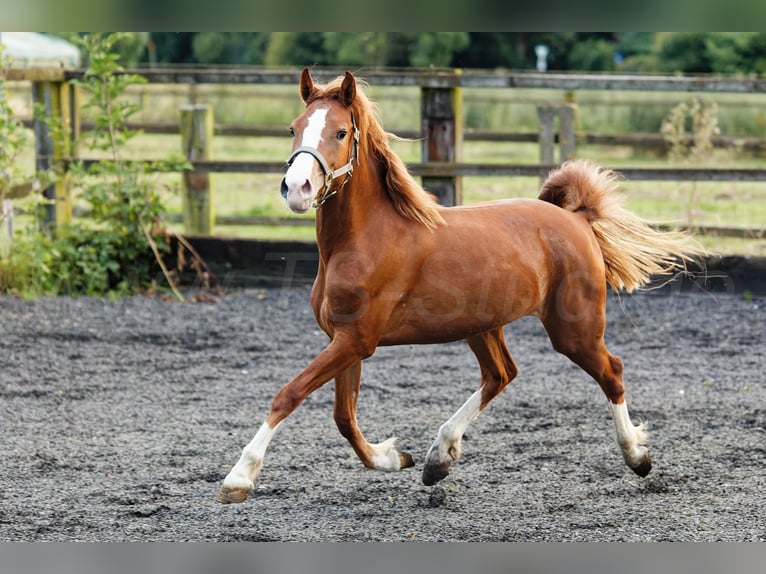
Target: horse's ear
<point>348,89</point>
<point>307,85</point>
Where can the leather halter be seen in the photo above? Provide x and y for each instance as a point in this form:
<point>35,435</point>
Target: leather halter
<point>329,174</point>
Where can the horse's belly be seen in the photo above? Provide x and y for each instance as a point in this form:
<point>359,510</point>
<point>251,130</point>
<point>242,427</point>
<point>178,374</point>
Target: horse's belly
<point>443,310</point>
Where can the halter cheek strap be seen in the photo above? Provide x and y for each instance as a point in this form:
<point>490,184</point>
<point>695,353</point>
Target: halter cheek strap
<point>329,174</point>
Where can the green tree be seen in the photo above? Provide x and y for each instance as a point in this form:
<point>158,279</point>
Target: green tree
<point>438,48</point>
<point>487,50</point>
<point>229,47</point>
<point>210,47</point>
<point>684,52</point>
<point>296,48</point>
<point>754,53</point>
<point>726,52</point>
<point>592,54</point>
<point>634,43</point>
<point>357,49</point>
<point>173,47</point>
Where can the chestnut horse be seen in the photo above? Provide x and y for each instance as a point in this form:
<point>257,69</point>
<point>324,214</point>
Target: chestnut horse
<point>396,268</point>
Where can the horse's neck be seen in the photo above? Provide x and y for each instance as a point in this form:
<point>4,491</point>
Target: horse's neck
<point>349,213</point>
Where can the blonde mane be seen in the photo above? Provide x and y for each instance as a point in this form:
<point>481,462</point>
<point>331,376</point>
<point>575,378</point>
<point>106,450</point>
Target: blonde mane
<point>408,198</point>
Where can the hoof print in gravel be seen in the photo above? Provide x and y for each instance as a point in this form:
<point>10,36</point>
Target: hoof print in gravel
<point>437,497</point>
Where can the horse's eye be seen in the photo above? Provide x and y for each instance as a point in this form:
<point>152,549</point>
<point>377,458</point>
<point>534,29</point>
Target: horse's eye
<point>341,134</point>
<point>292,131</point>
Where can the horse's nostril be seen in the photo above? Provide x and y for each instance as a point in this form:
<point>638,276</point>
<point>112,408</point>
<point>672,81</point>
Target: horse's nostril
<point>306,187</point>
<point>283,188</point>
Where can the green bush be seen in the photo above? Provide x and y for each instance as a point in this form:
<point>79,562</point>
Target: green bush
<point>116,246</point>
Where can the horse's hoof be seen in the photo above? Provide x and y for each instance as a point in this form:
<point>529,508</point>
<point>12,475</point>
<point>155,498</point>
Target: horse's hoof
<point>644,467</point>
<point>434,473</point>
<point>405,460</point>
<point>228,495</point>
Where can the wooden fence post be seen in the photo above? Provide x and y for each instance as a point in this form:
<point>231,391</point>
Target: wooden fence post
<point>547,132</point>
<point>442,129</point>
<point>58,102</point>
<point>545,117</point>
<point>197,144</point>
<point>567,132</point>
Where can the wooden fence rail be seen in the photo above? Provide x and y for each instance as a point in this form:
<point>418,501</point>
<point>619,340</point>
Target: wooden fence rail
<point>441,113</point>
<point>636,140</point>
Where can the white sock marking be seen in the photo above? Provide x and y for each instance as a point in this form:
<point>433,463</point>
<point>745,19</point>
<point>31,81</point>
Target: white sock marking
<point>446,447</point>
<point>249,464</point>
<point>386,456</point>
<point>629,437</point>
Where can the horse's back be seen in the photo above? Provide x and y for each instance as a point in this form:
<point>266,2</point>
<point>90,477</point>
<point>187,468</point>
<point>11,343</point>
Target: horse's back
<point>531,231</point>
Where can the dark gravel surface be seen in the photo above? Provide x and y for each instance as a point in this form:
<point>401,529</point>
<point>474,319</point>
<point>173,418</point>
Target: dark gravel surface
<point>119,421</point>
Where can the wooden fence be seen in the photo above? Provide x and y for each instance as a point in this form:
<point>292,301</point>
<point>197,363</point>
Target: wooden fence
<point>441,129</point>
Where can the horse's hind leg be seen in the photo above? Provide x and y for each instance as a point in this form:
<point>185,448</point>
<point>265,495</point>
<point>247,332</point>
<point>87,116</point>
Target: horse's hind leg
<point>581,339</point>
<point>497,370</point>
<point>383,456</point>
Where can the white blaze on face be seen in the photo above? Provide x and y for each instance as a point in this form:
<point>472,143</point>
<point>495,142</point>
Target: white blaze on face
<point>300,187</point>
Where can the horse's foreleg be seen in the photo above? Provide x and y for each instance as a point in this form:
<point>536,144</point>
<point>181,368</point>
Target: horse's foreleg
<point>382,456</point>
<point>497,370</point>
<point>239,483</point>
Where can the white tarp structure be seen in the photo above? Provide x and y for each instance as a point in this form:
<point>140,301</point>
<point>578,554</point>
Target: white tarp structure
<point>33,50</point>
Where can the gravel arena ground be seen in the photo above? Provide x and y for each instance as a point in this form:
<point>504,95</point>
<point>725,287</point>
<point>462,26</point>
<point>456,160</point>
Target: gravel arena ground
<point>120,419</point>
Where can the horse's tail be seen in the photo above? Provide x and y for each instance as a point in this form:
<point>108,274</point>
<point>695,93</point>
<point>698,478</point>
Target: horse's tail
<point>633,251</point>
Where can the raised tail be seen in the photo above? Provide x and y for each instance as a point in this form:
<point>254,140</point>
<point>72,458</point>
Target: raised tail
<point>633,251</point>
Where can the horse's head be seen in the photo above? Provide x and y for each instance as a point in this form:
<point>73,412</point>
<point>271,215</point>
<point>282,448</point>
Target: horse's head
<point>325,143</point>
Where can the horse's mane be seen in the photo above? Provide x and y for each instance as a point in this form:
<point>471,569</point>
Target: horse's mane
<point>408,198</point>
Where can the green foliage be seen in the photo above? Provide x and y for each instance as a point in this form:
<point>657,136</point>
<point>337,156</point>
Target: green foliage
<point>754,54</point>
<point>685,52</point>
<point>487,50</point>
<point>229,47</point>
<point>209,47</point>
<point>651,52</point>
<point>593,54</point>
<point>707,52</point>
<point>634,43</point>
<point>129,47</point>
<point>437,48</point>
<point>726,52</point>
<point>302,48</point>
<point>13,136</point>
<point>13,139</point>
<point>114,247</point>
<point>354,49</point>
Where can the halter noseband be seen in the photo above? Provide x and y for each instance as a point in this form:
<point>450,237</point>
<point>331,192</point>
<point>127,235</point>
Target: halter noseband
<point>329,174</point>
